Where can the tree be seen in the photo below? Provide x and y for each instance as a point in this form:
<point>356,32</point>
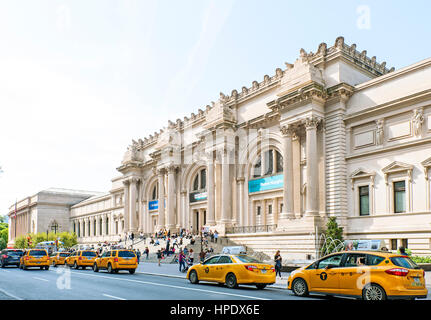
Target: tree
<point>4,234</point>
<point>333,236</point>
<point>69,239</point>
<point>3,244</point>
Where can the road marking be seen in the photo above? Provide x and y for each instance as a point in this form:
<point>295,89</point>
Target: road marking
<point>5,270</point>
<point>10,295</point>
<point>114,297</point>
<point>41,279</point>
<point>172,286</point>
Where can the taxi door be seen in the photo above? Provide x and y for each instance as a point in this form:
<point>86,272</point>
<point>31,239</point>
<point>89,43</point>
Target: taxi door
<point>325,278</point>
<point>207,270</point>
<point>104,259</point>
<point>222,267</point>
<point>353,274</point>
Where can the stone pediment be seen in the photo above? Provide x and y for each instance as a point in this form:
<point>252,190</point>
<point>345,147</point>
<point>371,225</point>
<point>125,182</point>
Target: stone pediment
<point>396,167</point>
<point>219,114</point>
<point>168,138</point>
<point>361,173</point>
<point>426,163</point>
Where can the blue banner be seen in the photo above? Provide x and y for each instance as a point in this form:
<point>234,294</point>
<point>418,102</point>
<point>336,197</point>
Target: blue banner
<point>263,184</point>
<point>153,205</point>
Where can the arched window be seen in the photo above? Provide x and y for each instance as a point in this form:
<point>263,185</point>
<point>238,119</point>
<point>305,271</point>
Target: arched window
<point>200,180</point>
<point>154,194</point>
<point>273,164</point>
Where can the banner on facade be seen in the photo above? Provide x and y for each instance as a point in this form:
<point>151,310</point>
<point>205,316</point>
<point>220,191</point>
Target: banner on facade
<point>197,196</point>
<point>153,205</point>
<point>364,244</point>
<point>263,184</point>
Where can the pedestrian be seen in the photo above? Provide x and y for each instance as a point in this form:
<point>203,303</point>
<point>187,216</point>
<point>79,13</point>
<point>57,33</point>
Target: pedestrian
<point>147,251</point>
<point>202,256</point>
<point>167,244</point>
<point>215,236</point>
<point>159,256</point>
<point>402,251</point>
<point>277,260</point>
<point>138,254</point>
<point>181,260</point>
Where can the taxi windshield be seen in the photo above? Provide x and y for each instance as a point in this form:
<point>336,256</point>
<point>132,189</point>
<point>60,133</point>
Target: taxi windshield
<point>126,254</point>
<point>89,254</point>
<point>247,259</point>
<point>37,253</point>
<point>64,254</point>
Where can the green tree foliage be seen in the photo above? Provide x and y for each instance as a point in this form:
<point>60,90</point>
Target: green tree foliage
<point>69,239</point>
<point>332,233</point>
<point>3,244</point>
<point>4,234</point>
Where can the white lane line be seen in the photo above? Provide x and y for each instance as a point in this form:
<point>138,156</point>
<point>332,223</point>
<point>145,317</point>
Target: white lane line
<point>4,270</point>
<point>172,286</point>
<point>10,295</point>
<point>113,297</point>
<point>41,279</point>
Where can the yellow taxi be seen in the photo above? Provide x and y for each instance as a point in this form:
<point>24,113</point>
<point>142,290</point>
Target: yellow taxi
<point>58,258</point>
<point>81,258</point>
<point>34,258</point>
<point>367,275</point>
<point>233,270</point>
<point>116,260</point>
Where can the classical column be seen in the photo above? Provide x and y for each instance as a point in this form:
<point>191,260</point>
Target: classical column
<point>126,206</point>
<point>161,217</point>
<point>132,212</point>
<point>171,198</point>
<point>287,133</point>
<point>226,212</point>
<point>241,201</point>
<point>184,221</point>
<point>312,196</point>
<point>210,191</point>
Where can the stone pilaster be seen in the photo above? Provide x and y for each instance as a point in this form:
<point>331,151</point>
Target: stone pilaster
<point>287,133</point>
<point>210,191</point>
<point>161,217</point>
<point>312,196</point>
<point>171,198</point>
<point>126,206</point>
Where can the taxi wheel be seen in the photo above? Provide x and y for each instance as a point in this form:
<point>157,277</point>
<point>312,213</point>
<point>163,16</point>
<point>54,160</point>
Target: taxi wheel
<point>299,287</point>
<point>2,264</point>
<point>193,277</point>
<point>83,267</point>
<point>373,291</point>
<point>41,268</point>
<point>231,281</point>
<point>47,268</point>
<point>110,270</point>
<point>132,271</point>
<point>95,268</point>
<point>261,286</point>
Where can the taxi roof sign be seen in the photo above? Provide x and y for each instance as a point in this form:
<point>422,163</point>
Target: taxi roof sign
<point>234,250</point>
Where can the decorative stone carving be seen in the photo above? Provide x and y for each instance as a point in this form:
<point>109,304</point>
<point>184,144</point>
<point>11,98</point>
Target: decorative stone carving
<point>278,72</point>
<point>339,42</point>
<point>255,85</point>
<point>287,130</point>
<point>322,49</point>
<point>312,122</point>
<point>379,131</point>
<point>418,120</point>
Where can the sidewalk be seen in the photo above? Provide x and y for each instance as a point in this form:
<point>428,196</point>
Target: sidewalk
<point>171,270</point>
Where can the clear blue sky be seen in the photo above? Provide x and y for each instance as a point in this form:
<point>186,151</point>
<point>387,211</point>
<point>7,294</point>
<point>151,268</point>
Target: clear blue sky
<point>80,79</point>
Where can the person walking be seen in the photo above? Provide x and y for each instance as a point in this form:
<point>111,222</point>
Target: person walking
<point>181,260</point>
<point>147,251</point>
<point>159,256</point>
<point>277,260</point>
<point>215,236</point>
<point>138,254</point>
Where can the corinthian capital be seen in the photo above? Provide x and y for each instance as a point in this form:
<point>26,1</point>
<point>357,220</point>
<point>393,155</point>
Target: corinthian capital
<point>172,168</point>
<point>312,122</point>
<point>287,130</point>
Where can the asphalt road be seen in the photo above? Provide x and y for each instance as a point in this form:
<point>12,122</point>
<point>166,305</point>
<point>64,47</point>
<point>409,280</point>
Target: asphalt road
<point>69,284</point>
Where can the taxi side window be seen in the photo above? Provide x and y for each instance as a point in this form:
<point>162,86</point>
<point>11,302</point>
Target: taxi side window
<point>224,259</point>
<point>373,260</point>
<point>113,253</point>
<point>212,260</point>
<point>355,260</point>
<point>333,261</point>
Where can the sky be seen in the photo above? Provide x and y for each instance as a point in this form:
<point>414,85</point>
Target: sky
<point>80,79</point>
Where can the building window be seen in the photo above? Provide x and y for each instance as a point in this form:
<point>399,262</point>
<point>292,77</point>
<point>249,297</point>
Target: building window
<point>394,244</point>
<point>405,243</point>
<point>399,196</point>
<point>281,207</point>
<point>364,200</point>
<point>154,195</point>
<point>107,225</point>
<point>270,209</point>
<point>100,227</point>
<point>94,227</point>
<point>200,181</point>
<point>258,210</point>
<point>273,164</point>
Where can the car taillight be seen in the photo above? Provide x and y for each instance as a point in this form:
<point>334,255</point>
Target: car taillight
<point>27,258</point>
<point>397,272</point>
<point>115,259</point>
<point>273,269</point>
<point>4,256</point>
<point>250,268</point>
<point>80,258</point>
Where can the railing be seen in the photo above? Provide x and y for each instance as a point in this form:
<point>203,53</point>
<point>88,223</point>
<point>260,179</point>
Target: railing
<point>252,229</point>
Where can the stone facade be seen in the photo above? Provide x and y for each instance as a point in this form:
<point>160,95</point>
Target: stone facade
<point>336,133</point>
